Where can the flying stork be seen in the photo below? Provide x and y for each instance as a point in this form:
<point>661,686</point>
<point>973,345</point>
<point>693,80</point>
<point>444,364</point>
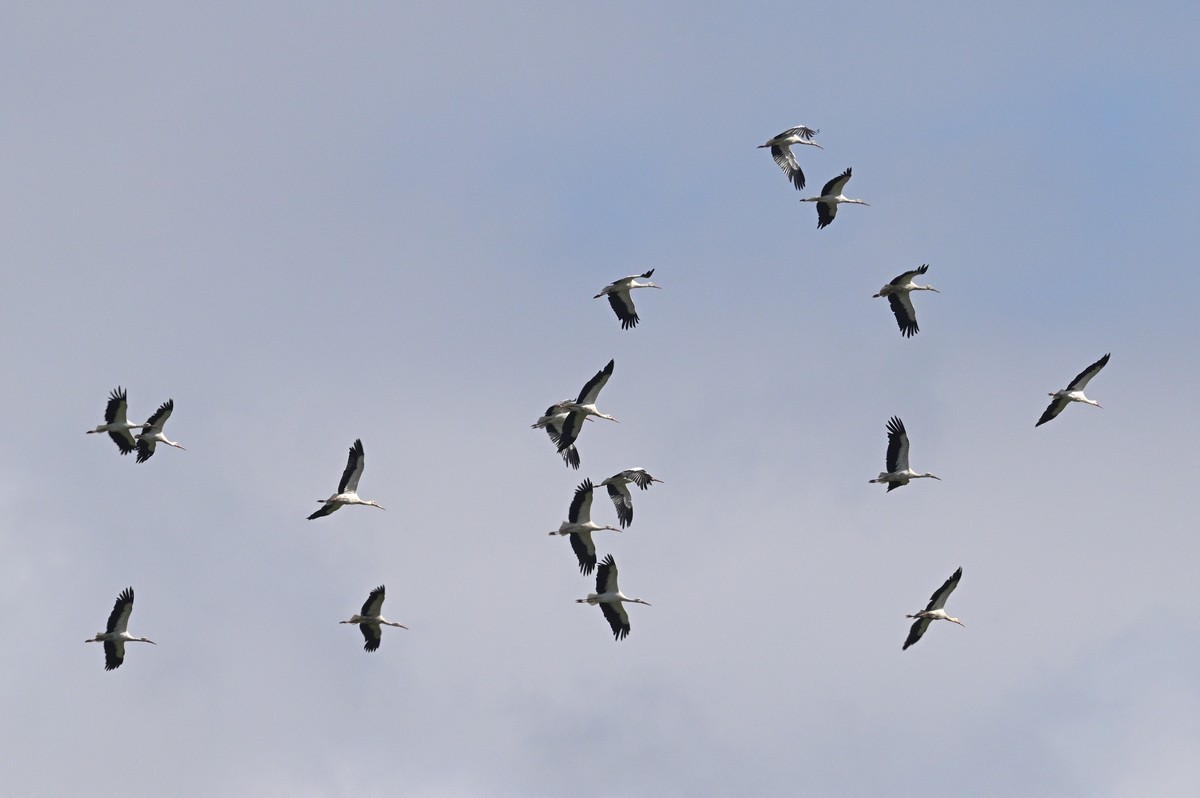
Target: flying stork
<point>934,611</point>
<point>583,407</point>
<point>618,491</point>
<point>115,423</point>
<point>347,492</point>
<point>610,598</point>
<point>830,197</point>
<point>552,421</point>
<point>898,473</point>
<point>622,303</point>
<point>152,432</point>
<point>897,292</point>
<point>580,526</point>
<point>114,637</point>
<point>370,619</point>
<point>1073,392</point>
<point>781,151</point>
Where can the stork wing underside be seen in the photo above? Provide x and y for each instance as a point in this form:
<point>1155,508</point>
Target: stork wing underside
<point>354,469</point>
<point>918,628</point>
<point>622,305</point>
<point>906,315</point>
<point>1084,377</point>
<point>623,501</point>
<point>585,550</point>
<point>1056,406</point>
<point>618,619</point>
<point>592,388</point>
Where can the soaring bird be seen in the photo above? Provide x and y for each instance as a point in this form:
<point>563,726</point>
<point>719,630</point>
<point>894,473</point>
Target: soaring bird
<point>152,432</point>
<point>934,611</point>
<point>114,637</point>
<point>781,151</point>
<point>831,197</point>
<point>610,598</point>
<point>583,407</point>
<point>897,292</point>
<point>898,473</point>
<point>1073,392</point>
<point>622,303</point>
<point>579,526</point>
<point>347,492</point>
<point>370,619</point>
<point>618,491</point>
<point>115,423</point>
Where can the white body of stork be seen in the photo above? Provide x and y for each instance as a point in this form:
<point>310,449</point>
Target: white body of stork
<point>618,491</point>
<point>347,492</point>
<point>116,424</point>
<point>371,618</point>
<point>898,473</point>
<point>898,293</point>
<point>618,296</point>
<point>831,197</point>
<point>781,151</point>
<point>152,432</point>
<point>579,526</point>
<point>1073,392</point>
<point>583,407</point>
<point>115,635</point>
<point>611,599</point>
<point>934,611</point>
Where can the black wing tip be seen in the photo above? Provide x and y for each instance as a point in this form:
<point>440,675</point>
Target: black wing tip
<point>895,426</point>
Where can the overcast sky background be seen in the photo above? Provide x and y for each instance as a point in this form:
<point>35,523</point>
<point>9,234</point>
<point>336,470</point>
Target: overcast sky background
<point>310,223</point>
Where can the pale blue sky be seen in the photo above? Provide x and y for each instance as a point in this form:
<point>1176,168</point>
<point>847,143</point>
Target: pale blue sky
<point>308,224</point>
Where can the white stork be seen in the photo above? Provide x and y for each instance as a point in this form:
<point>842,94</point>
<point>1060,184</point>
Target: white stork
<point>347,492</point>
<point>152,432</point>
<point>1073,392</point>
<point>934,611</point>
<point>618,491</point>
<point>370,619</point>
<point>897,292</point>
<point>115,423</point>
<point>583,407</point>
<point>114,637</point>
<point>898,473</point>
<point>552,421</point>
<point>610,598</point>
<point>831,197</point>
<point>781,151</point>
<point>622,303</point>
<point>580,526</point>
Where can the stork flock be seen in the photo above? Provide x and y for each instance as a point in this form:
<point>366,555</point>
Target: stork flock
<point>899,291</point>
<point>120,429</point>
<point>564,422</point>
